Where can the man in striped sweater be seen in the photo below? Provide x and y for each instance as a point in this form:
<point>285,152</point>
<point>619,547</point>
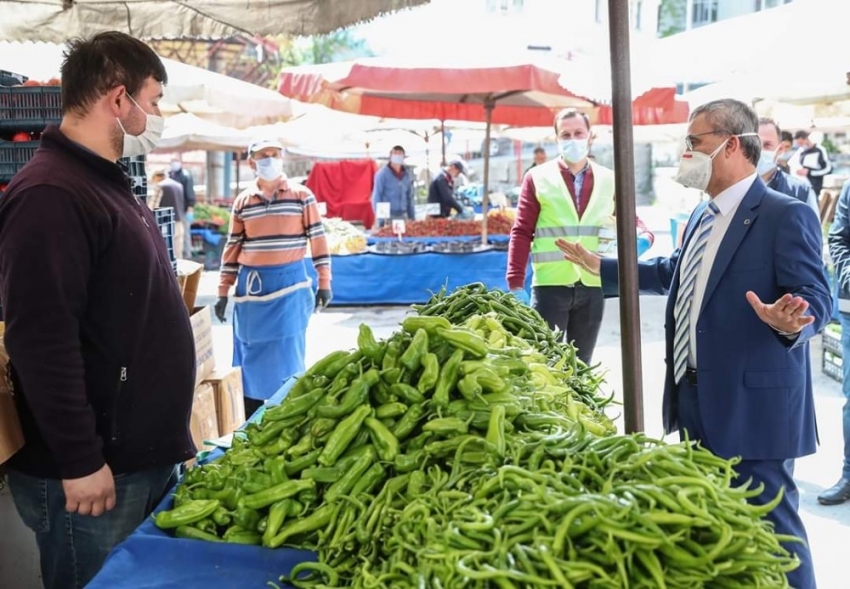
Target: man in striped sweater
<point>270,226</point>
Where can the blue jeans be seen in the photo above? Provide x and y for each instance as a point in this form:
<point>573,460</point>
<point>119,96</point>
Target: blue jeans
<point>73,547</point>
<point>844,318</point>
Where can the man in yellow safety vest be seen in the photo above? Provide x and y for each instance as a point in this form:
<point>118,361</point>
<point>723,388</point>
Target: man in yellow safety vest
<point>572,198</point>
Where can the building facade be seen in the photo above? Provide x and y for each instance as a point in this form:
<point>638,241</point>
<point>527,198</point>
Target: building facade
<point>676,16</point>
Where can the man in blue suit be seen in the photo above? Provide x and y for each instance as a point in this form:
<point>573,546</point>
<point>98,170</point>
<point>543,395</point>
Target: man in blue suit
<point>746,293</point>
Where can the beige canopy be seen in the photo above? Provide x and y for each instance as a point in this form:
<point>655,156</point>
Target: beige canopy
<point>56,21</point>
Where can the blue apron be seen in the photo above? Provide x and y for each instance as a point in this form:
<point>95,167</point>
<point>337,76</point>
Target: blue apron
<point>272,308</point>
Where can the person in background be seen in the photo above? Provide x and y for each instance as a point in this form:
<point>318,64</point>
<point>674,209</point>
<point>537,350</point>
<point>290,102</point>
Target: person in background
<point>169,193</point>
<point>270,226</point>
<point>814,160</point>
<point>539,158</point>
<point>442,189</point>
<point>739,376</point>
<point>184,177</point>
<point>102,351</point>
<point>569,197</point>
<point>394,184</point>
<point>839,251</point>
<point>786,145</point>
<point>771,152</point>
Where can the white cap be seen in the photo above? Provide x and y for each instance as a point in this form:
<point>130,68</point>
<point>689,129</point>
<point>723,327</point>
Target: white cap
<point>260,144</point>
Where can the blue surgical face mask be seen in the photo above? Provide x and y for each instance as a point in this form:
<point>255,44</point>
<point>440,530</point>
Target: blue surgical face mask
<point>269,168</point>
<point>573,150</point>
<point>397,159</point>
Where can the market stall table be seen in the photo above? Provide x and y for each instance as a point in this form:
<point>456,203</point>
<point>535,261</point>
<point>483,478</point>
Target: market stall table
<point>150,558</point>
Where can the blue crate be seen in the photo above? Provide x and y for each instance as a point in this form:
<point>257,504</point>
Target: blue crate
<point>30,108</point>
<point>14,156</point>
<point>165,221</point>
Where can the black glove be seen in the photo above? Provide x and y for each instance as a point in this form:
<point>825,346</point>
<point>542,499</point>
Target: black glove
<point>220,308</point>
<point>323,298</point>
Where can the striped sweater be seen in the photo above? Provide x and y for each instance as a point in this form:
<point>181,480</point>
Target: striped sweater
<point>274,232</point>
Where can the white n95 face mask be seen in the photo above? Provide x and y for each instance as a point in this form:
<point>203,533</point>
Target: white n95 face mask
<point>695,167</point>
<point>147,141</point>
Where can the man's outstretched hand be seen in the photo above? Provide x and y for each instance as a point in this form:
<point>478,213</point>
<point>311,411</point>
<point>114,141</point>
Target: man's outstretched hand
<point>787,314</point>
<point>575,253</point>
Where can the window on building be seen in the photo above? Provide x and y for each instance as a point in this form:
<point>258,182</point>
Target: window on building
<point>637,16</point>
<point>704,12</point>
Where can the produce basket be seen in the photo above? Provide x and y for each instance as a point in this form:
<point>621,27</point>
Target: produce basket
<point>30,108</point>
<point>165,221</point>
<point>832,338</point>
<point>832,366</point>
<point>13,157</point>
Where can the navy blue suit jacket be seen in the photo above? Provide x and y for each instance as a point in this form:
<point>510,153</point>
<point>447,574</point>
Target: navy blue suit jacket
<point>755,385</point>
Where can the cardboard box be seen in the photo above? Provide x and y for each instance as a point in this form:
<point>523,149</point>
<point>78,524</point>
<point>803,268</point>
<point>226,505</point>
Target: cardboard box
<point>11,436</point>
<point>188,278</point>
<point>204,422</point>
<point>202,329</point>
<point>229,401</point>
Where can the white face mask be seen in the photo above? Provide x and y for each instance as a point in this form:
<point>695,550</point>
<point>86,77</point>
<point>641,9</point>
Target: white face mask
<point>573,150</point>
<point>695,167</point>
<point>269,168</point>
<point>147,141</point>
<point>397,159</point>
<point>767,161</point>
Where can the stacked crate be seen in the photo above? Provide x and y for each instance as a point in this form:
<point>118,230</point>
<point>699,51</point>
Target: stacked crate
<point>832,353</point>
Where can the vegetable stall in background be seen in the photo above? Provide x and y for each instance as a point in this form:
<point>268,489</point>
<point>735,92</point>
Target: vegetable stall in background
<point>472,449</point>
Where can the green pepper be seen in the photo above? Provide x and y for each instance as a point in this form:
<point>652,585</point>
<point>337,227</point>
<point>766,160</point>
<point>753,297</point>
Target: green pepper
<point>385,442</point>
<point>207,525</point>
<point>269,431</point>
<point>277,493</point>
<point>319,382</point>
<point>407,392</point>
<point>446,425</point>
<point>390,410</point>
<point>344,485</point>
<point>496,429</point>
<point>514,366</point>
<point>408,422</point>
<point>308,496</point>
<point>391,356</point>
<point>304,446</point>
<point>193,476</point>
<point>347,374</point>
<point>240,535</point>
<point>193,533</point>
<point>381,393</point>
<point>465,340</point>
<point>343,435</point>
<point>354,397</point>
<point>187,514</point>
<point>322,426</point>
<point>391,376</point>
<point>229,496</point>
<point>264,522</point>
<point>361,440</point>
<point>319,519</point>
<point>416,350</point>
<point>432,325</point>
<point>221,517</point>
<point>415,484</point>
<point>277,515</point>
<point>279,446</point>
<point>448,379</point>
<point>257,481</point>
<point>245,457</point>
<point>322,474</point>
<point>246,518</point>
<point>367,344</point>
<point>183,495</point>
<point>369,480</point>
<point>419,441</point>
<point>330,365</point>
<point>407,462</point>
<point>430,373</point>
<point>489,380</point>
<point>277,470</point>
<point>294,407</point>
<point>469,387</point>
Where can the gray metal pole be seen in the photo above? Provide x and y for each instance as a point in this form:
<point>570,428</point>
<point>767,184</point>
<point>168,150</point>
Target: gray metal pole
<point>624,166</point>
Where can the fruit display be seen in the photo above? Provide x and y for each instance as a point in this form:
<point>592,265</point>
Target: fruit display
<point>212,215</point>
<point>343,237</point>
<point>497,224</point>
<point>472,449</point>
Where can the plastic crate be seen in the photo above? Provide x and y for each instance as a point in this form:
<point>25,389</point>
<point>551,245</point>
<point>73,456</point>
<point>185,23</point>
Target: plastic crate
<point>134,166</point>
<point>832,342</point>
<point>832,366</point>
<point>30,108</point>
<point>165,221</point>
<point>11,79</point>
<point>14,156</point>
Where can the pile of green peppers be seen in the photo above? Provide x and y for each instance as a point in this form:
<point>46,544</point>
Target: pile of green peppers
<point>461,451</point>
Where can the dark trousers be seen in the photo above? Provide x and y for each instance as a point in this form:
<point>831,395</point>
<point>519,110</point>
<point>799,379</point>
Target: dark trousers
<point>575,310</point>
<point>775,474</point>
<point>251,406</point>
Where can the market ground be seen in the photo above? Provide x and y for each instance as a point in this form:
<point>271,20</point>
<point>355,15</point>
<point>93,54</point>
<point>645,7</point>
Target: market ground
<point>828,527</point>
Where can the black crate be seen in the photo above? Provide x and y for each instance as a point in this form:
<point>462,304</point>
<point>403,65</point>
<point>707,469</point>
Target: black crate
<point>11,79</point>
<point>139,186</point>
<point>30,108</point>
<point>832,342</point>
<point>165,221</point>
<point>135,166</point>
<point>832,366</point>
<point>14,156</point>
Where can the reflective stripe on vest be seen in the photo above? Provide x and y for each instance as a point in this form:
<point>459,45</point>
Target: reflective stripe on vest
<point>559,219</point>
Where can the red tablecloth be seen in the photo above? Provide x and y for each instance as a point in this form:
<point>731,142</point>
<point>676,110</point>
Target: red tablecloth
<point>346,188</point>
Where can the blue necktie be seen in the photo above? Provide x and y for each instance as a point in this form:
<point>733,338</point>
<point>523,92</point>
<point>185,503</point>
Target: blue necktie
<point>685,296</point>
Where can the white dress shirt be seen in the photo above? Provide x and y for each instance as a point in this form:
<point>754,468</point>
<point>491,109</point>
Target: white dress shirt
<point>727,202</point>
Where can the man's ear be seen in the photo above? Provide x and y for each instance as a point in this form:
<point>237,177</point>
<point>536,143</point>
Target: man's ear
<point>116,100</point>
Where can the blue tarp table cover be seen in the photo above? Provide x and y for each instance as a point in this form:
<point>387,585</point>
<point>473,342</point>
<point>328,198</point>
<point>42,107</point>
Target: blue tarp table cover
<point>404,279</point>
<point>372,240</point>
<point>151,559</point>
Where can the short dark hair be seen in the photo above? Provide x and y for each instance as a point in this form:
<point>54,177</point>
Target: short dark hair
<point>398,148</point>
<point>786,136</point>
<point>801,135</point>
<point>733,117</point>
<point>769,121</point>
<point>569,113</point>
<point>539,150</point>
<point>92,67</point>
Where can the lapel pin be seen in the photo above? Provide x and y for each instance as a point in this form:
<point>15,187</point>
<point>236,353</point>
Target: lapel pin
<point>746,221</point>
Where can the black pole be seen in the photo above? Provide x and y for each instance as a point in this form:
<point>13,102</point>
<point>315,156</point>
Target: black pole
<point>624,166</point>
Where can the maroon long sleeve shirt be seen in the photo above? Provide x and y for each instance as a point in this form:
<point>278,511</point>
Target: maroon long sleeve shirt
<point>528,211</point>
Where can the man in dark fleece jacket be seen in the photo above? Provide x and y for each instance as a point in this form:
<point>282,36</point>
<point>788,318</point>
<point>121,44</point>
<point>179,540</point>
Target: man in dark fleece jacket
<point>101,347</point>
